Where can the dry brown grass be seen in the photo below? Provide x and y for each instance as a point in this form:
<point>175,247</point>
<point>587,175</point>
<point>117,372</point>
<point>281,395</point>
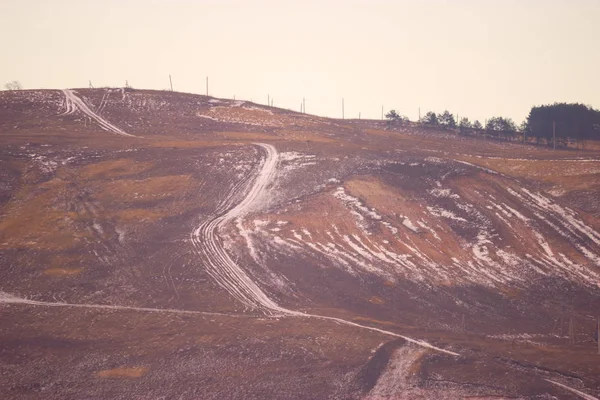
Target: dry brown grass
<point>132,372</point>
<point>63,271</point>
<point>32,220</point>
<point>186,144</point>
<point>391,202</point>
<point>568,175</point>
<point>113,169</point>
<point>248,136</point>
<point>132,215</point>
<point>305,136</point>
<point>415,367</point>
<point>154,188</point>
<point>374,321</point>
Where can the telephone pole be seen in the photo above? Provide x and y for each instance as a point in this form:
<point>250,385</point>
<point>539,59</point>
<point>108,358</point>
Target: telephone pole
<point>171,82</point>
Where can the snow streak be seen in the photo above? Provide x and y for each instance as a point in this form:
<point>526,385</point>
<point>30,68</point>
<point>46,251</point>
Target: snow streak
<point>7,298</point>
<point>570,389</point>
<point>74,103</point>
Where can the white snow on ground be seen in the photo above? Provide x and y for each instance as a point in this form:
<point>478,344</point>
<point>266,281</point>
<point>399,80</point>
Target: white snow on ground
<point>6,298</point>
<point>74,103</point>
<point>440,212</point>
<point>294,155</point>
<point>543,243</point>
<point>570,225</point>
<point>433,232</point>
<point>293,160</point>
<point>46,165</point>
<point>437,192</point>
<point>408,223</point>
<point>356,204</point>
<point>398,381</point>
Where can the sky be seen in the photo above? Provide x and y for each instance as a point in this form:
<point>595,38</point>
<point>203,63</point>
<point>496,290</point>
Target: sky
<point>475,58</point>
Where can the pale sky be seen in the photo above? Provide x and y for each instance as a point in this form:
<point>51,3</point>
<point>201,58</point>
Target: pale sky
<point>476,58</point>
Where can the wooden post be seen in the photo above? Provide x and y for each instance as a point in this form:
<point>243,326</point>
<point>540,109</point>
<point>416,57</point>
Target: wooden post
<point>268,100</point>
<point>554,133</point>
<point>171,82</point>
<point>359,115</point>
<point>303,105</point>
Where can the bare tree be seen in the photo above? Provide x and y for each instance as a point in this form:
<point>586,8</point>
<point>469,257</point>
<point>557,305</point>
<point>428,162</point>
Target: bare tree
<point>14,85</point>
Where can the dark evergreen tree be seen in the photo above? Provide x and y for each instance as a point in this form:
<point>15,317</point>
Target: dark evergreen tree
<point>447,120</point>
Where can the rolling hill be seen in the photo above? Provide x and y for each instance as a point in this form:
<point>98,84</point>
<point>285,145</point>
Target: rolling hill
<point>161,244</point>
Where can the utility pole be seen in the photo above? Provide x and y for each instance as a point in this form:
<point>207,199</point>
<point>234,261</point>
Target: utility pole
<point>171,82</point>
<point>303,106</point>
<point>359,115</point>
<point>268,100</point>
<point>207,85</point>
<point>554,133</point>
<point>342,108</point>
<point>382,113</point>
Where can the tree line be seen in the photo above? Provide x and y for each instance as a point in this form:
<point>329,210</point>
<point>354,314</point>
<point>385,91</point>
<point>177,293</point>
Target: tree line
<point>558,123</point>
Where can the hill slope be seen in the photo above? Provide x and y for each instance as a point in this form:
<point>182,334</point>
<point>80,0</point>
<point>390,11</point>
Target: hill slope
<point>173,235</point>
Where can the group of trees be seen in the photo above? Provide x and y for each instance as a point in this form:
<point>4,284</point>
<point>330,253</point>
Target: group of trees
<point>14,85</point>
<point>395,118</point>
<point>558,122</point>
<point>563,122</point>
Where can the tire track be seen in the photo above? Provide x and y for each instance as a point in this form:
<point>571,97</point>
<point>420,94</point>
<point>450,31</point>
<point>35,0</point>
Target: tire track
<point>74,103</point>
<point>231,277</point>
<point>6,298</point>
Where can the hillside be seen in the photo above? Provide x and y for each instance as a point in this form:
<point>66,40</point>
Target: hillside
<point>167,244</point>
